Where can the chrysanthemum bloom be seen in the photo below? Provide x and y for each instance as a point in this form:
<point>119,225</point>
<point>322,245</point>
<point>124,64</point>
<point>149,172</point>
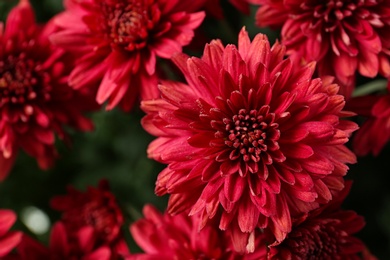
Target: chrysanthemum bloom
<point>376,109</point>
<point>118,42</point>
<point>345,37</point>
<point>61,247</point>
<point>8,239</point>
<point>167,237</point>
<point>325,233</point>
<point>35,100</point>
<point>92,213</point>
<point>251,133</point>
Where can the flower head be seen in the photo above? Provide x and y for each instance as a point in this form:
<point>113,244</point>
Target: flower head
<point>8,239</point>
<point>325,233</point>
<point>92,213</point>
<point>177,237</point>
<point>250,133</point>
<point>376,110</point>
<point>345,37</point>
<point>118,43</point>
<point>35,100</point>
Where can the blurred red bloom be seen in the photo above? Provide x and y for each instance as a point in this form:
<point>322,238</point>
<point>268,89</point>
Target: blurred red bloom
<point>325,233</point>
<point>35,100</point>
<point>118,43</point>
<point>250,132</point>
<point>166,237</point>
<point>61,247</point>
<point>92,213</point>
<point>345,37</point>
<point>8,239</point>
<point>376,110</point>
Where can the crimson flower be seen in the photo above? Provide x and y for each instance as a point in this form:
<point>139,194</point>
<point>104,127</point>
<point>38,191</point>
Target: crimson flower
<point>376,109</point>
<point>345,37</point>
<point>249,132</point>
<point>92,213</point>
<point>35,100</point>
<point>61,247</point>
<point>8,239</point>
<point>167,237</point>
<point>118,42</point>
<point>325,233</point>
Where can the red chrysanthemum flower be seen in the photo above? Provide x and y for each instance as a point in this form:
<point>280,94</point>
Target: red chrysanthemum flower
<point>345,37</point>
<point>118,42</point>
<point>61,247</point>
<point>167,237</point>
<point>249,132</point>
<point>325,233</point>
<point>94,212</point>
<point>8,239</point>
<point>35,100</point>
<point>376,109</point>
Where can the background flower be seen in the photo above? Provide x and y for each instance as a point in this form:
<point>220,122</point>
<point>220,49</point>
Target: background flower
<point>177,237</point>
<point>35,101</point>
<point>345,37</point>
<point>119,42</point>
<point>249,133</point>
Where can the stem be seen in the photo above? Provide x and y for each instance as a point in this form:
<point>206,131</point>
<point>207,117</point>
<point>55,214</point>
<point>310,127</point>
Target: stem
<point>370,87</point>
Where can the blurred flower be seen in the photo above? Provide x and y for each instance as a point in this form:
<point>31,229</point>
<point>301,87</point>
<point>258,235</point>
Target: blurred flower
<point>376,109</point>
<point>61,247</point>
<point>249,132</point>
<point>8,239</point>
<point>94,213</point>
<point>325,233</point>
<point>35,100</point>
<point>343,36</point>
<point>118,43</point>
<point>167,237</point>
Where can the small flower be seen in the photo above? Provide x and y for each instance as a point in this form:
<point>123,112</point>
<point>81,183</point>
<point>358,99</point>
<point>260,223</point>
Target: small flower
<point>8,239</point>
<point>162,236</point>
<point>249,134</point>
<point>61,247</point>
<point>119,41</point>
<point>345,37</point>
<point>325,233</point>
<point>376,110</point>
<point>92,213</point>
<point>35,100</point>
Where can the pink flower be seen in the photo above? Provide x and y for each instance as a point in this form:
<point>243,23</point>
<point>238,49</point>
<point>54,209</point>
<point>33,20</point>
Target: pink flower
<point>119,41</point>
<point>345,37</point>
<point>167,237</point>
<point>93,213</point>
<point>249,134</point>
<point>35,100</point>
<point>325,233</point>
<point>376,110</point>
<point>8,239</point>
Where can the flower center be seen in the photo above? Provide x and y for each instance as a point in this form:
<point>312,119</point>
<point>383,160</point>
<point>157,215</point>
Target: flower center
<point>129,24</point>
<point>21,80</point>
<point>250,133</point>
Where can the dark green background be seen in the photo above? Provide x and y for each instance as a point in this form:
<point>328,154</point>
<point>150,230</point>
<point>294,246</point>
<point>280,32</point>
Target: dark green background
<point>116,150</point>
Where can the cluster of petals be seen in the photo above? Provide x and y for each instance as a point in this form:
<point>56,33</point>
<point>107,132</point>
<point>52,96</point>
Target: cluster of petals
<point>249,134</point>
<point>324,233</point>
<point>344,37</point>
<point>118,43</point>
<point>93,216</point>
<point>376,110</point>
<point>167,237</point>
<point>35,100</point>
<point>61,247</point>
<point>8,239</point>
